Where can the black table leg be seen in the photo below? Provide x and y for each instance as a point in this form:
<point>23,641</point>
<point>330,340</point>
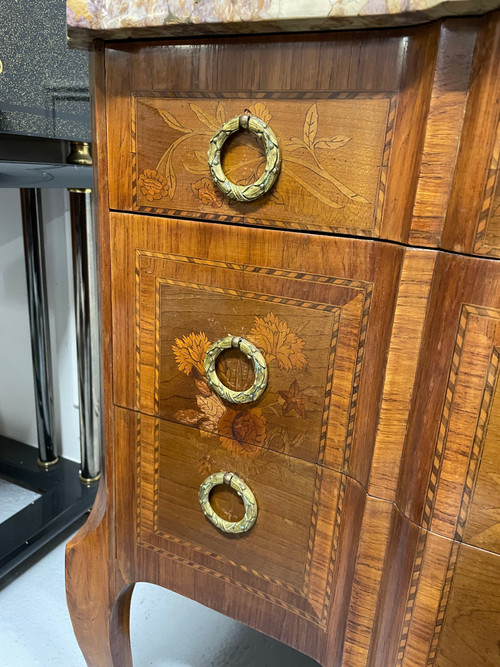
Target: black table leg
<point>31,204</point>
<point>87,332</point>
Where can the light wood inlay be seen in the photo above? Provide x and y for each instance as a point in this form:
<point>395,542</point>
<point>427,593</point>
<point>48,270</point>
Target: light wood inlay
<point>297,511</point>
<point>373,452</point>
<point>482,487</point>
<point>322,364</point>
<point>453,620</point>
<point>465,416</point>
<point>453,396</point>
<point>342,121</point>
<point>488,227</point>
<point>335,153</point>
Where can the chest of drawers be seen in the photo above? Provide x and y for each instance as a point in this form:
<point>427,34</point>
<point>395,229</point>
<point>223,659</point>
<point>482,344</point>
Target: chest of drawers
<point>355,505</point>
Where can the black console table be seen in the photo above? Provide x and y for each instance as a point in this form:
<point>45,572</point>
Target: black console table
<point>44,135</point>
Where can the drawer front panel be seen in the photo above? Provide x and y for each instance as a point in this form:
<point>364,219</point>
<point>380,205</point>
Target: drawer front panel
<point>311,327</point>
<point>345,109</point>
<point>335,155</point>
<point>453,436</point>
<point>299,343</point>
<point>289,553</point>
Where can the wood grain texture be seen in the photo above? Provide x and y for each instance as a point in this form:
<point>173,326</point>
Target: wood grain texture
<point>455,402</point>
<point>404,354</point>
<point>99,611</point>
<point>395,592</point>
<point>373,453</point>
<point>472,218</point>
<point>443,131</point>
<point>251,281</point>
<point>340,107</point>
<point>472,614</point>
<point>453,607</point>
<point>406,151</point>
<point>479,517</point>
<point>487,241</point>
<point>334,151</point>
<point>293,413</point>
<point>369,568</point>
<point>283,555</point>
<point>307,606</point>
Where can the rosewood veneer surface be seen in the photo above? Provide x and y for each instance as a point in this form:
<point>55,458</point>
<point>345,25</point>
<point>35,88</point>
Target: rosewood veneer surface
<point>369,279</point>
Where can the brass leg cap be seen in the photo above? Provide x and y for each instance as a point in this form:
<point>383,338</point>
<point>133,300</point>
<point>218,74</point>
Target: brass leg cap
<point>48,464</point>
<point>90,480</point>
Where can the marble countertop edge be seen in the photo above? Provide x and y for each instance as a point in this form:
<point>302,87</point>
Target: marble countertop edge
<point>84,28</point>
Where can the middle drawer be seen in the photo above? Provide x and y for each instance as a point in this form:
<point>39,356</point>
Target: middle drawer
<point>319,310</point>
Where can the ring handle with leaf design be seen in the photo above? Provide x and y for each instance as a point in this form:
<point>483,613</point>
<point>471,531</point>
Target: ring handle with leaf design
<point>249,502</point>
<point>259,370</point>
<point>273,159</point>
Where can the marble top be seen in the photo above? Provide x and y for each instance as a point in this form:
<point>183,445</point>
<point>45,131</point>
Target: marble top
<point>121,19</point>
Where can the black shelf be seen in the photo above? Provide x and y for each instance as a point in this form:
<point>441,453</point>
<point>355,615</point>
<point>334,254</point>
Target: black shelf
<point>64,499</point>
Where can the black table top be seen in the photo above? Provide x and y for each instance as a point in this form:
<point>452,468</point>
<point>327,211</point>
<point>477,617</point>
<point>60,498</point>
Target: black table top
<point>43,85</point>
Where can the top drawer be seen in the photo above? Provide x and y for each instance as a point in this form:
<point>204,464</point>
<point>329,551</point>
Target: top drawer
<point>347,109</point>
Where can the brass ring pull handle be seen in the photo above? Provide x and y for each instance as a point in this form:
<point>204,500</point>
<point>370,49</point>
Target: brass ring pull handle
<point>244,493</point>
<point>273,159</point>
<point>259,369</point>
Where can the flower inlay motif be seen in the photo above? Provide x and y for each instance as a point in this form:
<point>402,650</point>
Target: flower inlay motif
<point>244,430</point>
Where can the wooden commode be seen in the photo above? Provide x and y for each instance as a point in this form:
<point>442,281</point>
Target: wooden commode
<point>300,243</point>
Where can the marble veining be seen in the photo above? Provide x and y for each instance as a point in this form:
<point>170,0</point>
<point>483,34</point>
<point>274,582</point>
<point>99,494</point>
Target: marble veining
<point>119,18</point>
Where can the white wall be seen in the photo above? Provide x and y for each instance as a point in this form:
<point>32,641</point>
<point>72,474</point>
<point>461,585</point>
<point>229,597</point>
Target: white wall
<point>17,406</point>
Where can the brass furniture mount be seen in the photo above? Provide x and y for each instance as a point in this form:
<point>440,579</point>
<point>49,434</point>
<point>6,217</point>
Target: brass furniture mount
<point>273,159</point>
<point>244,493</point>
<point>259,369</point>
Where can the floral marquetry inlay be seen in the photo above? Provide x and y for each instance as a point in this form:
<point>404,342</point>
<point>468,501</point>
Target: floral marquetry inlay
<point>164,180</point>
<point>153,185</point>
<point>244,430</point>
<point>277,342</point>
<point>207,193</point>
<point>335,154</point>
<point>313,350</point>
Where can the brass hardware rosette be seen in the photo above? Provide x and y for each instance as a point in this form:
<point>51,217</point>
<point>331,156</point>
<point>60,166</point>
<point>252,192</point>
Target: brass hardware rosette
<point>273,159</point>
<point>249,502</point>
<point>259,369</point>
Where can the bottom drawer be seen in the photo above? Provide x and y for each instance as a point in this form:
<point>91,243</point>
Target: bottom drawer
<point>288,556</point>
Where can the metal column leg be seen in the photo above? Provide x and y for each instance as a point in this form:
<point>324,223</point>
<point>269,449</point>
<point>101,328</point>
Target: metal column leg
<point>87,332</point>
<point>31,204</point>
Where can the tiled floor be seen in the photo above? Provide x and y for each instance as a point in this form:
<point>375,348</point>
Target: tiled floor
<point>167,630</point>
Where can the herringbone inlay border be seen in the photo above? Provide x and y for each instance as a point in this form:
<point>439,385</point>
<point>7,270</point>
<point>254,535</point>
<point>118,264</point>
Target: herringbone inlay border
<point>364,288</point>
<point>373,230</point>
<point>490,188</point>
